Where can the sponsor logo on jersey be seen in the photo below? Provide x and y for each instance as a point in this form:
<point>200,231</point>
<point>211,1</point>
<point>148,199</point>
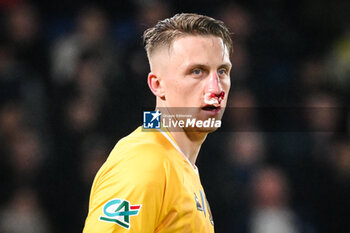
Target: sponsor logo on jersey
<point>205,205</point>
<point>210,214</point>
<point>119,211</point>
<point>151,119</point>
<point>198,204</point>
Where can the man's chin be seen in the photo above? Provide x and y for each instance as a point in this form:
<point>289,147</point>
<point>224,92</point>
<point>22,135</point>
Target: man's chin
<point>208,126</point>
<point>203,129</point>
<point>195,121</point>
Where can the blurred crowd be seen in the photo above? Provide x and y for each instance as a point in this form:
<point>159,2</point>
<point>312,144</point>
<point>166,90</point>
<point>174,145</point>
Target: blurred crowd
<point>73,82</point>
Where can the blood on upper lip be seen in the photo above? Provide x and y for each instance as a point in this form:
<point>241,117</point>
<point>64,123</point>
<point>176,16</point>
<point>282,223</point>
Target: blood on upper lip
<point>222,95</point>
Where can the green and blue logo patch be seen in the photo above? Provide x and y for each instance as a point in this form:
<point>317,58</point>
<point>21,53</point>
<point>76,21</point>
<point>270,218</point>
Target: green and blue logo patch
<point>119,211</point>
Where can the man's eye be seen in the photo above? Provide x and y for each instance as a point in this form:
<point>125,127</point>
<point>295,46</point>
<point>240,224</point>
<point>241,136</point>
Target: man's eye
<point>197,71</point>
<point>222,71</point>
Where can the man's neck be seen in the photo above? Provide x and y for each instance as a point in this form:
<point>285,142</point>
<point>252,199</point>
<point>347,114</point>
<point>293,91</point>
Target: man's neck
<point>189,142</point>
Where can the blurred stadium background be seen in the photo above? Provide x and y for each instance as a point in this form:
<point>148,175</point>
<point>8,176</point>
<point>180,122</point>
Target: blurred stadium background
<point>73,82</point>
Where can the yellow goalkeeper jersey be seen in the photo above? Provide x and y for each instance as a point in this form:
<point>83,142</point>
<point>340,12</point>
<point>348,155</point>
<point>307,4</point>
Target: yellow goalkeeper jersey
<point>147,185</point>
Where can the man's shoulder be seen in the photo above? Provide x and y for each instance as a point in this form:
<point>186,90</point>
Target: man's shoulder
<point>138,142</point>
<point>141,150</point>
<point>137,158</point>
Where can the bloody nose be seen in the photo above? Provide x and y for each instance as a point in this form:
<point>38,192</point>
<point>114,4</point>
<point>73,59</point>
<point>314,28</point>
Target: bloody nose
<point>221,95</point>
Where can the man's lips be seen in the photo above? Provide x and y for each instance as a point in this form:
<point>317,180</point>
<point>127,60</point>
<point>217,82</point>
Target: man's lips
<point>211,108</point>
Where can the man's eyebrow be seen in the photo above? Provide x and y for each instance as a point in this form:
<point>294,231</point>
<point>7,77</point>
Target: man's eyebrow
<point>199,65</point>
<point>191,66</point>
<point>226,65</point>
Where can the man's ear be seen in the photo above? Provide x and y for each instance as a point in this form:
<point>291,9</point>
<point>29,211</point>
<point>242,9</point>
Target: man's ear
<point>156,85</point>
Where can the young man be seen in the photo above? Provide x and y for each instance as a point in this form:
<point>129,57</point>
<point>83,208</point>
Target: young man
<point>150,182</point>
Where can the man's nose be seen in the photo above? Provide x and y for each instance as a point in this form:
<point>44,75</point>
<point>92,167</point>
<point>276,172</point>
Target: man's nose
<point>213,84</point>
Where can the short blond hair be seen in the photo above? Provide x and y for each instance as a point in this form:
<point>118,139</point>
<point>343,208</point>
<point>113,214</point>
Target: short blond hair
<point>167,30</point>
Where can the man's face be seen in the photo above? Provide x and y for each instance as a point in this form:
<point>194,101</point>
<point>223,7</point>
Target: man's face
<point>195,75</point>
